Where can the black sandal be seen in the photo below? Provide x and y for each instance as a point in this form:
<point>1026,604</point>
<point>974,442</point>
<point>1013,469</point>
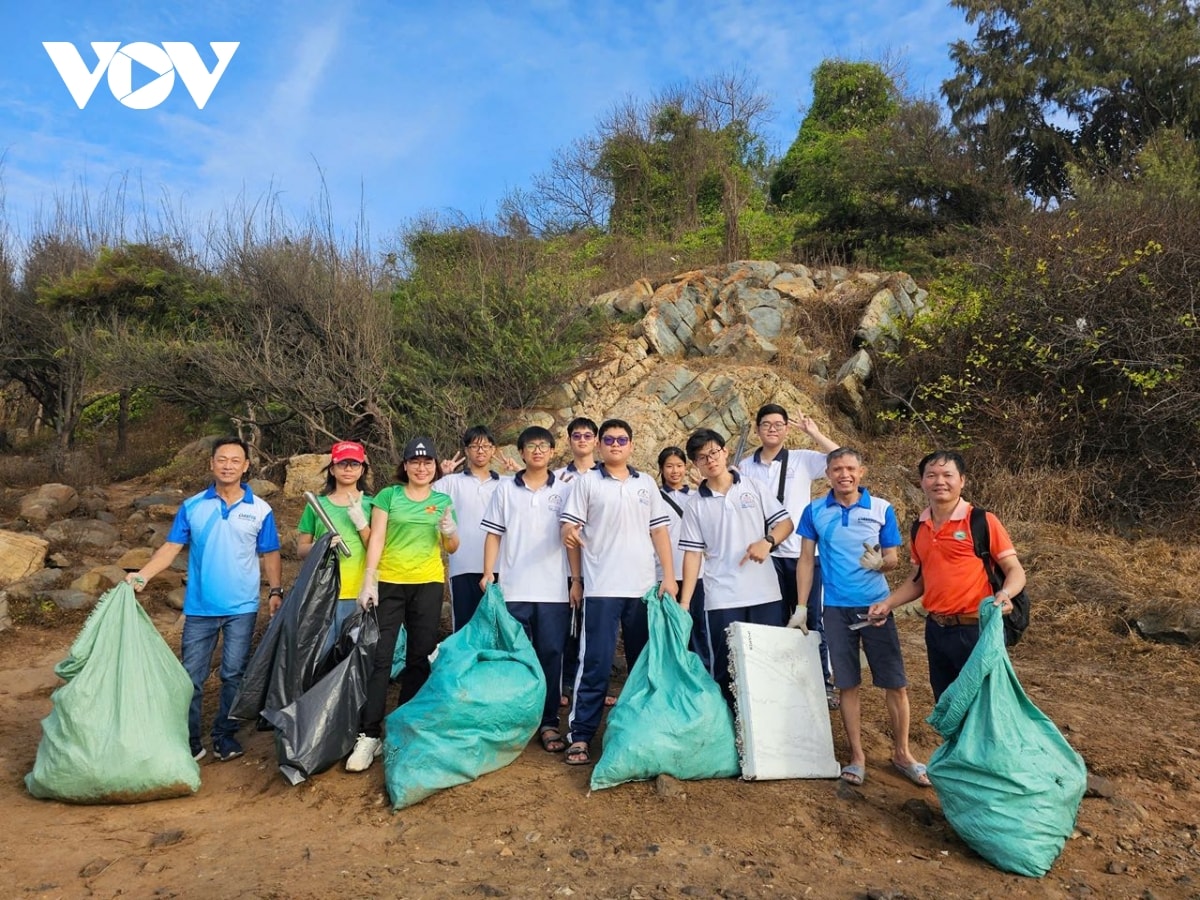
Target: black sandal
<point>578,755</point>
<point>552,740</point>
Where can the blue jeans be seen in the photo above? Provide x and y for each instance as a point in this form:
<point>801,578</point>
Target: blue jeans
<point>199,640</point>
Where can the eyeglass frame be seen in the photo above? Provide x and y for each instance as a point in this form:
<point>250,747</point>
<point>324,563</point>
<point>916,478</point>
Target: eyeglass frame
<point>616,440</point>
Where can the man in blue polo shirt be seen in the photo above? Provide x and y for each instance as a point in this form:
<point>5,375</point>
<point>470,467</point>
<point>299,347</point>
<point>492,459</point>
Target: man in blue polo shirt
<point>857,535</point>
<point>226,530</point>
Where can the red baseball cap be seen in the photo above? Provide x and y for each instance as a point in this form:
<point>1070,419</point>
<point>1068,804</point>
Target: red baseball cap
<point>347,450</point>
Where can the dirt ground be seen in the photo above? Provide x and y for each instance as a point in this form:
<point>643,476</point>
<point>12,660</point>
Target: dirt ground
<point>533,829</point>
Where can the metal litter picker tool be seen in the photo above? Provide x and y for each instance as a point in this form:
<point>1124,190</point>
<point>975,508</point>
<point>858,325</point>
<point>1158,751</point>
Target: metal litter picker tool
<point>312,500</point>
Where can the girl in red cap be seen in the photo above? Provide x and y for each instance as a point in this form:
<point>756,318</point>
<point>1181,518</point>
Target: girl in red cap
<point>346,502</point>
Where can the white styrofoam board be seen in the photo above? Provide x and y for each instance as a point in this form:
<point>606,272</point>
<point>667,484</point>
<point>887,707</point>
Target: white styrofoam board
<point>783,726</point>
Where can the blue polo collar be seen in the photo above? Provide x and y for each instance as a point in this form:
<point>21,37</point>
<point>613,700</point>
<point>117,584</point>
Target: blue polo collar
<point>779,457</point>
<point>706,491</point>
<point>519,478</point>
<point>491,474</point>
<point>864,499</point>
<point>604,473</point>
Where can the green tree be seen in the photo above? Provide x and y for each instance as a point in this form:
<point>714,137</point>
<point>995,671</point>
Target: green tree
<point>872,168</point>
<point>1050,83</point>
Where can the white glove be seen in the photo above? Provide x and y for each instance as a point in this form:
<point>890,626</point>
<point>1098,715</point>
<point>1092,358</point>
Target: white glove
<point>446,524</point>
<point>358,518</point>
<point>871,559</point>
<point>369,595</point>
<point>799,619</point>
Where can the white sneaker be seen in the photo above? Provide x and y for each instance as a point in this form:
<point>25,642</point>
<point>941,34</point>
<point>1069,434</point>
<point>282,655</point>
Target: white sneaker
<point>364,753</point>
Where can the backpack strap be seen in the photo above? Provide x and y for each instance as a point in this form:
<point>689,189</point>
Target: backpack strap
<point>981,537</point>
<point>671,502</point>
<point>783,458</point>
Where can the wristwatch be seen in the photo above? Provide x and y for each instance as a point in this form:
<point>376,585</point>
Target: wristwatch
<point>771,540</point>
<point>275,592</point>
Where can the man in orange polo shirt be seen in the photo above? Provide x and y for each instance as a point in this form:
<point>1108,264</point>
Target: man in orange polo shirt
<point>948,575</point>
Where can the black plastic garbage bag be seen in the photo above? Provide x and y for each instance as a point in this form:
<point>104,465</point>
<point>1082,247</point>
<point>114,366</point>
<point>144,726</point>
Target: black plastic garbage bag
<point>290,655</point>
<point>316,730</point>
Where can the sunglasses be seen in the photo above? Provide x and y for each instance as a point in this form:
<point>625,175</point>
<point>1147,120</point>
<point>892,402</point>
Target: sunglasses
<point>610,440</point>
<point>582,436</point>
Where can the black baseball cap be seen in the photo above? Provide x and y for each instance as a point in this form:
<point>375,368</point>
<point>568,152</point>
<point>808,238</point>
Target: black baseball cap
<point>419,448</point>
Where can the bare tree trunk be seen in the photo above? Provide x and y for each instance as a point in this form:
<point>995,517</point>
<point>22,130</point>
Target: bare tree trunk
<point>122,421</point>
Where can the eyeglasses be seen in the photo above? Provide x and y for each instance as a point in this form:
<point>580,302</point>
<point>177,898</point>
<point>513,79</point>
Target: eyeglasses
<point>582,436</point>
<point>772,426</point>
<point>423,460</point>
<point>348,464</point>
<point>482,445</point>
<point>712,457</point>
<point>610,440</point>
<point>537,447</point>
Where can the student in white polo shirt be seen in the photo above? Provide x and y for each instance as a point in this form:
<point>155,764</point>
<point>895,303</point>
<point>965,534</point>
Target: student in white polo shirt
<point>732,525</point>
<point>581,438</point>
<point>788,475</point>
<point>471,490</point>
<point>617,517</point>
<point>522,534</point>
<point>672,476</point>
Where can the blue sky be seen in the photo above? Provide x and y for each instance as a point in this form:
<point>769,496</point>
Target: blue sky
<point>400,108</point>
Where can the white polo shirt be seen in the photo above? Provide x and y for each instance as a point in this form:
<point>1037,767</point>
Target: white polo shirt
<point>568,472</point>
<point>722,526</point>
<point>680,498</point>
<point>532,562</point>
<point>471,498</point>
<point>616,515</point>
<point>804,466</point>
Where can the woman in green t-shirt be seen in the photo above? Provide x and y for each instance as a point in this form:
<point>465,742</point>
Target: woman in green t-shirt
<point>346,502</point>
<point>411,525</point>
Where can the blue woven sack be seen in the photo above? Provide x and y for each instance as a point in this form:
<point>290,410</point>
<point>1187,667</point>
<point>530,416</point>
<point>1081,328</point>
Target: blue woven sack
<point>480,707</point>
<point>1008,781</point>
<point>670,718</point>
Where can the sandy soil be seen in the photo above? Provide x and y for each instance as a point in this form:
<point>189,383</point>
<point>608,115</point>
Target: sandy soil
<point>534,830</point>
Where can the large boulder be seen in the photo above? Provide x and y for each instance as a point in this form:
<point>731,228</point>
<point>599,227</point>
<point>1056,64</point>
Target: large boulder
<point>89,533</point>
<point>99,579</point>
<point>1172,623</point>
<point>20,555</point>
<point>305,472</point>
<point>49,502</point>
<point>38,583</point>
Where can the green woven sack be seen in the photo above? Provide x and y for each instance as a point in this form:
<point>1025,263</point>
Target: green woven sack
<point>117,732</point>
<point>480,707</point>
<point>670,718</point>
<point>1008,781</point>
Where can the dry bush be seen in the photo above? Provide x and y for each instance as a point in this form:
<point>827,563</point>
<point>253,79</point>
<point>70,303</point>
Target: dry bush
<point>1073,343</point>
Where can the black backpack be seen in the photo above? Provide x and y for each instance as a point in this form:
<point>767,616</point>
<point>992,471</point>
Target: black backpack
<point>1016,621</point>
